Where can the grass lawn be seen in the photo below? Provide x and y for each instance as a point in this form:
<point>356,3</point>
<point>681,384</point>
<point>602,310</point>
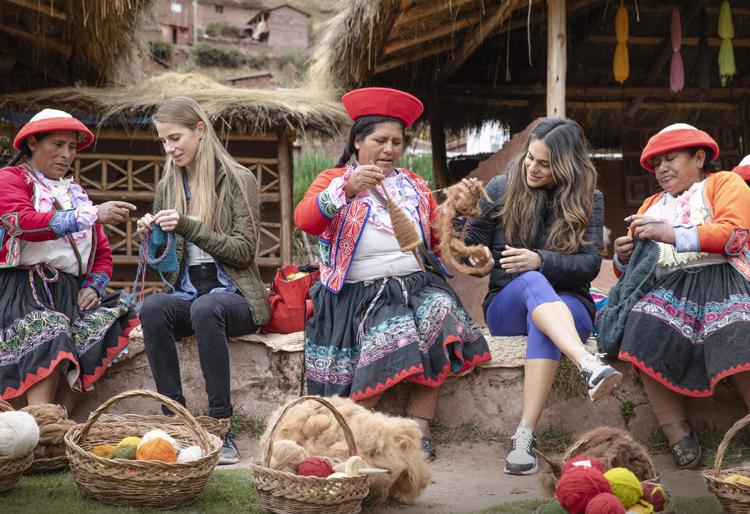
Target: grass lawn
<point>228,491</point>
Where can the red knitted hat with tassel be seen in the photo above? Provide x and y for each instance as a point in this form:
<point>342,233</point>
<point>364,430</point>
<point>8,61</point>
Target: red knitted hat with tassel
<point>676,137</point>
<point>382,101</point>
<point>53,120</point>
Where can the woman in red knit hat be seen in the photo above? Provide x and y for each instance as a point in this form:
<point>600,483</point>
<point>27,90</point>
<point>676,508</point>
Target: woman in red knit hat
<point>692,327</point>
<point>380,317</point>
<point>59,330</point>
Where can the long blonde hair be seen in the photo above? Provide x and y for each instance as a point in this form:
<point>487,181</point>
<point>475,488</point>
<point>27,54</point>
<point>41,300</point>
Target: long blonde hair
<point>574,178</point>
<point>210,204</point>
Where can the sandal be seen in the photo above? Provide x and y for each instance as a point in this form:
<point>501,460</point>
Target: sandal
<point>429,449</point>
<point>687,452</point>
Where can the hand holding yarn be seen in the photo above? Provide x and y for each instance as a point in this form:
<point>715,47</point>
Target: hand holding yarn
<point>167,219</point>
<point>145,224</point>
<point>362,178</point>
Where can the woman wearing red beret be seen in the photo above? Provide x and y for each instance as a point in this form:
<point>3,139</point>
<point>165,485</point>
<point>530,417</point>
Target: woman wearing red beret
<point>692,328</point>
<point>59,330</point>
<point>380,318</point>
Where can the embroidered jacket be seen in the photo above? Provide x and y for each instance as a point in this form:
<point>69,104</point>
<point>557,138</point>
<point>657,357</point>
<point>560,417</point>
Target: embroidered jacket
<point>20,221</point>
<point>324,212</point>
<point>727,198</point>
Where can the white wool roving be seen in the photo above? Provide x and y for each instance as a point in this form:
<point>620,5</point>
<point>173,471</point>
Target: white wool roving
<point>19,433</point>
<point>189,454</point>
<point>158,434</point>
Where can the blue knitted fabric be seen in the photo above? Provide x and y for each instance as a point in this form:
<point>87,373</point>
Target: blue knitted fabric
<point>160,240</point>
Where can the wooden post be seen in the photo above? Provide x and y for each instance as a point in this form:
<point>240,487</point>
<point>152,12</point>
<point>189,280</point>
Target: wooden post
<point>556,57</point>
<point>285,195</point>
<point>437,138</point>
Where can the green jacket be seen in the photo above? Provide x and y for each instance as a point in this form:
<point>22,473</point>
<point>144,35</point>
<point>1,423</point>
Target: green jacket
<point>236,251</point>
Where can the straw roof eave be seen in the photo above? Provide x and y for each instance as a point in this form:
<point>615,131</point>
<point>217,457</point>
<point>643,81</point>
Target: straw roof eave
<point>245,111</point>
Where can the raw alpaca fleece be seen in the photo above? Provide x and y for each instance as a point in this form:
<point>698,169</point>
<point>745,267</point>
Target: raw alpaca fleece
<point>383,441</point>
<point>613,446</point>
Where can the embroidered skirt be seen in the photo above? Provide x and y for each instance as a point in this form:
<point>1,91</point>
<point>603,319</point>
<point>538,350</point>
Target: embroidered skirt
<point>692,329</point>
<point>374,334</point>
<point>43,332</point>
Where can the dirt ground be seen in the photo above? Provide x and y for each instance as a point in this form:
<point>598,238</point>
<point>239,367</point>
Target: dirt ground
<point>468,477</point>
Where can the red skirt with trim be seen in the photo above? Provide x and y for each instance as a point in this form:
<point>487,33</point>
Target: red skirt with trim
<point>372,335</point>
<point>692,329</point>
<point>43,332</point>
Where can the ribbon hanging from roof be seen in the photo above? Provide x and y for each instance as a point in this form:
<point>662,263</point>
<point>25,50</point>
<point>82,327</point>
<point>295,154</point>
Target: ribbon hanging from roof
<point>676,68</point>
<point>727,66</point>
<point>621,63</point>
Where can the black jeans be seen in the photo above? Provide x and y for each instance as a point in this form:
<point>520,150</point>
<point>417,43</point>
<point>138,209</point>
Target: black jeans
<point>212,318</point>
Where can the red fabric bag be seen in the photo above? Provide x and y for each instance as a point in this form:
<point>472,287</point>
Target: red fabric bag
<point>290,301</point>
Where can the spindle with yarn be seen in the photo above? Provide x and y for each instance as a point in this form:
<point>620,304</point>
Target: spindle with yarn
<point>605,503</point>
<point>625,485</point>
<point>578,486</point>
<point>404,230</point>
<point>19,433</point>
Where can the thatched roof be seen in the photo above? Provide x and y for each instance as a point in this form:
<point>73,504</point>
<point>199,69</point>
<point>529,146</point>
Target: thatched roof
<point>60,42</point>
<point>486,60</point>
<point>245,111</point>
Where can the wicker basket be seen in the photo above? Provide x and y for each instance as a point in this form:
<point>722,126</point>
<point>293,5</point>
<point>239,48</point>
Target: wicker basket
<point>287,493</point>
<point>735,498</point>
<point>582,446</point>
<point>53,421</point>
<point>141,483</point>
<point>667,491</point>
<point>11,468</point>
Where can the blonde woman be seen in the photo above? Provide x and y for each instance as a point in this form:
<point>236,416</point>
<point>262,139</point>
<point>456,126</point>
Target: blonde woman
<point>544,229</point>
<point>210,203</point>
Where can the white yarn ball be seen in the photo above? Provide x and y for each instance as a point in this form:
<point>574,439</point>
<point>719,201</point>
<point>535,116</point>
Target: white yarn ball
<point>158,434</point>
<point>189,454</point>
<point>19,433</point>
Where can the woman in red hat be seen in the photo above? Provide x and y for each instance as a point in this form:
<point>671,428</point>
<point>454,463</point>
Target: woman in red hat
<point>59,330</point>
<point>692,327</point>
<point>380,318</point>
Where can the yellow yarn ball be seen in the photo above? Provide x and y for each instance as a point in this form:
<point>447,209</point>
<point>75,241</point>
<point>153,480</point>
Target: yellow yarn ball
<point>135,441</point>
<point>625,485</point>
<point>103,450</point>
<point>641,508</point>
<point>738,479</point>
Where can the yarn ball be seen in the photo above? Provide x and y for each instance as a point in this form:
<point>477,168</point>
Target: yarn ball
<point>554,507</point>
<point>130,441</point>
<point>641,508</point>
<point>605,503</point>
<point>314,467</point>
<point>103,450</point>
<point>189,454</point>
<point>655,495</point>
<point>19,433</point>
<point>737,479</point>
<point>157,449</point>
<point>159,434</point>
<point>287,455</point>
<point>625,485</point>
<point>578,486</point>
<point>582,461</point>
<point>124,451</point>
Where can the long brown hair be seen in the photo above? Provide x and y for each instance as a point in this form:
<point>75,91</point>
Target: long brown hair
<point>209,202</point>
<point>574,178</point>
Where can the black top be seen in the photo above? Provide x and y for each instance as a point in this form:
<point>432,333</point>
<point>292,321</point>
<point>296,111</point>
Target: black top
<point>568,273</point>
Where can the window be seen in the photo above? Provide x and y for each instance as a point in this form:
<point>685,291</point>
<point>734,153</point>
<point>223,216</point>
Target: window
<point>219,8</point>
<point>176,7</point>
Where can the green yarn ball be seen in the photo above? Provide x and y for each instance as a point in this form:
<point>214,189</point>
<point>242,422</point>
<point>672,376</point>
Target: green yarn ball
<point>625,485</point>
<point>554,507</point>
<point>124,451</point>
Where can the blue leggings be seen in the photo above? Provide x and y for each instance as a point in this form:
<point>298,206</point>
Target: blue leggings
<point>509,314</point>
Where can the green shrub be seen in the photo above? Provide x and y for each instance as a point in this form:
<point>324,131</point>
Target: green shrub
<point>161,51</point>
<point>212,29</point>
<point>209,55</point>
<point>223,29</point>
<point>306,167</point>
<point>257,60</point>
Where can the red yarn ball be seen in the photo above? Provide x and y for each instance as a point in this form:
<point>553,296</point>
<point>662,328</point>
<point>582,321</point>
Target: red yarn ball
<point>578,486</point>
<point>314,467</point>
<point>654,495</point>
<point>605,503</point>
<point>582,460</point>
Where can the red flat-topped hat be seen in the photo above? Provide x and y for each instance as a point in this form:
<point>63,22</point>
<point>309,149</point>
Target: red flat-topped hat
<point>53,120</point>
<point>382,101</point>
<point>676,137</point>
<point>743,168</point>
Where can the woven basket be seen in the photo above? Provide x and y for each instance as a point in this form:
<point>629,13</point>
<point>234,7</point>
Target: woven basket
<point>582,445</point>
<point>735,498</point>
<point>287,493</point>
<point>53,421</point>
<point>11,468</point>
<point>142,483</point>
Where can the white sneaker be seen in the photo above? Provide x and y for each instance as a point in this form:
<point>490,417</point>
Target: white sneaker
<point>522,460</point>
<point>600,378</point>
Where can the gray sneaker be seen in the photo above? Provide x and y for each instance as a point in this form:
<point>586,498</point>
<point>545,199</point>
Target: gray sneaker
<point>228,453</point>
<point>521,460</point>
<point>600,378</point>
